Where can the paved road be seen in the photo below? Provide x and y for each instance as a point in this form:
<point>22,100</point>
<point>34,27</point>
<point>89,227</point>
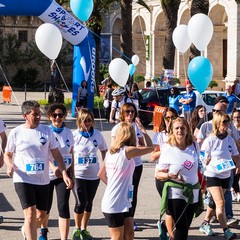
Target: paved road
<point>148,201</point>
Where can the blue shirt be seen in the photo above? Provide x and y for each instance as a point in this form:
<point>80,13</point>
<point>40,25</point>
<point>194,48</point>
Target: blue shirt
<point>174,102</point>
<point>232,99</point>
<point>192,104</point>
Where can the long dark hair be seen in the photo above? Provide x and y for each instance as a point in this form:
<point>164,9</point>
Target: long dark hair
<point>163,126</point>
<point>175,92</point>
<point>195,117</point>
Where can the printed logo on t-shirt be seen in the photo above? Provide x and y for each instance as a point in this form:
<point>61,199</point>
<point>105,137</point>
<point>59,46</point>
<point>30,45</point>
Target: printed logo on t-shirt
<point>68,143</point>
<point>56,139</point>
<point>187,164</point>
<point>230,148</point>
<point>43,140</point>
<point>95,143</point>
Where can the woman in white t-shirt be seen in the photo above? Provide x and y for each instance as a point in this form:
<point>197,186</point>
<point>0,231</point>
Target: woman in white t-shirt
<point>57,113</point>
<point>128,113</point>
<point>159,139</point>
<point>87,143</point>
<point>178,166</point>
<point>219,153</point>
<point>117,172</point>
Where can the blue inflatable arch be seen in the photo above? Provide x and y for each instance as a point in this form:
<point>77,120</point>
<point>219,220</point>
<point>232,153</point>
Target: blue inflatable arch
<point>72,30</point>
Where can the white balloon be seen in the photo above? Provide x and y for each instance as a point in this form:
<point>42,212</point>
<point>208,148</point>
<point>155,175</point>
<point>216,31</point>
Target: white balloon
<point>119,71</point>
<point>181,39</point>
<point>200,30</point>
<point>135,60</point>
<point>49,40</point>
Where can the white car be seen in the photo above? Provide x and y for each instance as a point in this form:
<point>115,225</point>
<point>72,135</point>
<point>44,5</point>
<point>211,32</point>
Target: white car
<point>207,98</point>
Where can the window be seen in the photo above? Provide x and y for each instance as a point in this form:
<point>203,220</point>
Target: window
<point>23,36</point>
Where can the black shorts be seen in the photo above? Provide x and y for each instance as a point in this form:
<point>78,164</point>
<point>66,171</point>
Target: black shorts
<point>30,195</point>
<point>218,182</point>
<point>115,220</point>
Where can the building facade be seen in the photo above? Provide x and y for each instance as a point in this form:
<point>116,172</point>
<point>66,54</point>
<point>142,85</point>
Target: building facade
<point>149,36</point>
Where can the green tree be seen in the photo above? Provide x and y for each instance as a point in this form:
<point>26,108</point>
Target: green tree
<point>170,9</point>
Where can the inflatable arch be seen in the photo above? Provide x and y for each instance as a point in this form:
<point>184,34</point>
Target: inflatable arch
<point>72,30</point>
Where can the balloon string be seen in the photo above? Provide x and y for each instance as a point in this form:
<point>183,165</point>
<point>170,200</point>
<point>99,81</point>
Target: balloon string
<point>61,75</point>
<point>184,67</point>
<point>10,87</point>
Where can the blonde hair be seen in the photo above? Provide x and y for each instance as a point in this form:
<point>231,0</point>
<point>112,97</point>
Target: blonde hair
<point>125,136</point>
<point>83,114</point>
<point>218,118</point>
<point>172,139</point>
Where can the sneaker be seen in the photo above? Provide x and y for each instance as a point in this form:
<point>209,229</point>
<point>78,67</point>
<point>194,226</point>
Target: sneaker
<point>234,196</point>
<point>76,234</point>
<point>206,228</point>
<point>43,234</point>
<point>231,221</point>
<point>162,230</point>
<point>228,235</point>
<point>23,233</point>
<point>135,227</point>
<point>1,219</point>
<point>85,235</point>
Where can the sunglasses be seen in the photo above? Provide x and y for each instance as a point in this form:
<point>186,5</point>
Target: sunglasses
<point>55,115</point>
<point>225,122</point>
<point>236,117</point>
<point>88,120</point>
<point>215,110</point>
<point>168,119</point>
<point>130,111</point>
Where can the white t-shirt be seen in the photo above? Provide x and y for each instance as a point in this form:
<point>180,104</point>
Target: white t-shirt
<point>31,153</point>
<point>2,126</point>
<point>118,105</point>
<point>65,144</point>
<point>119,172</point>
<point>206,129</point>
<point>160,138</point>
<point>138,160</point>
<point>183,161</point>
<point>86,163</point>
<point>218,149</point>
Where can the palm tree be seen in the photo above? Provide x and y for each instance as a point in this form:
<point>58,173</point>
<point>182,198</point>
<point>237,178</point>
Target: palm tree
<point>170,9</point>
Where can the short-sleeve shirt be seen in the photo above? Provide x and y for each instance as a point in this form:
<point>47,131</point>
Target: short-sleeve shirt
<point>192,104</point>
<point>231,99</point>
<point>86,163</point>
<point>31,153</point>
<point>218,149</point>
<point>174,102</point>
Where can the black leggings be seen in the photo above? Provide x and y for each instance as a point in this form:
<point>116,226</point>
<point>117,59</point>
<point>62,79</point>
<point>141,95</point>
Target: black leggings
<point>63,195</point>
<point>182,215</point>
<point>84,192</point>
<point>136,180</point>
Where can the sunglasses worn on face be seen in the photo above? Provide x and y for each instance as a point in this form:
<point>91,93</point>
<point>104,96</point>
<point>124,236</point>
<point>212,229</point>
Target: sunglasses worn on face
<point>168,119</point>
<point>215,110</point>
<point>130,111</point>
<point>225,121</point>
<point>88,120</point>
<point>238,117</point>
<point>55,115</point>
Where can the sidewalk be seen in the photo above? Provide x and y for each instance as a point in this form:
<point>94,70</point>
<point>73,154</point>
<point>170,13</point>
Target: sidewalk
<point>147,211</point>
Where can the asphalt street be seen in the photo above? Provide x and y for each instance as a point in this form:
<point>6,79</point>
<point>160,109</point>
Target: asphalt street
<point>147,212</point>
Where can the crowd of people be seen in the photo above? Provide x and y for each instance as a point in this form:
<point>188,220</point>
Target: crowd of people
<point>196,156</point>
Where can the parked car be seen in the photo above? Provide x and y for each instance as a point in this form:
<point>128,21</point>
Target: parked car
<point>159,97</point>
<point>153,97</point>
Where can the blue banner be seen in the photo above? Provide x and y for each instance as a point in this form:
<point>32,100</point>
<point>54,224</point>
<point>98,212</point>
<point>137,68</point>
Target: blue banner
<point>23,7</point>
<point>84,69</point>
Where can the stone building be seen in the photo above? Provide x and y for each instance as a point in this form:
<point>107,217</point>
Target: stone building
<point>149,35</point>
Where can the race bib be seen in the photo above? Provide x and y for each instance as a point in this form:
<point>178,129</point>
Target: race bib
<point>87,160</point>
<point>35,166</point>
<point>224,165</point>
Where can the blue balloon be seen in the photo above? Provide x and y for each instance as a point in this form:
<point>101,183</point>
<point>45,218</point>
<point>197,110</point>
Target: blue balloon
<point>132,69</point>
<point>200,73</point>
<point>82,8</point>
